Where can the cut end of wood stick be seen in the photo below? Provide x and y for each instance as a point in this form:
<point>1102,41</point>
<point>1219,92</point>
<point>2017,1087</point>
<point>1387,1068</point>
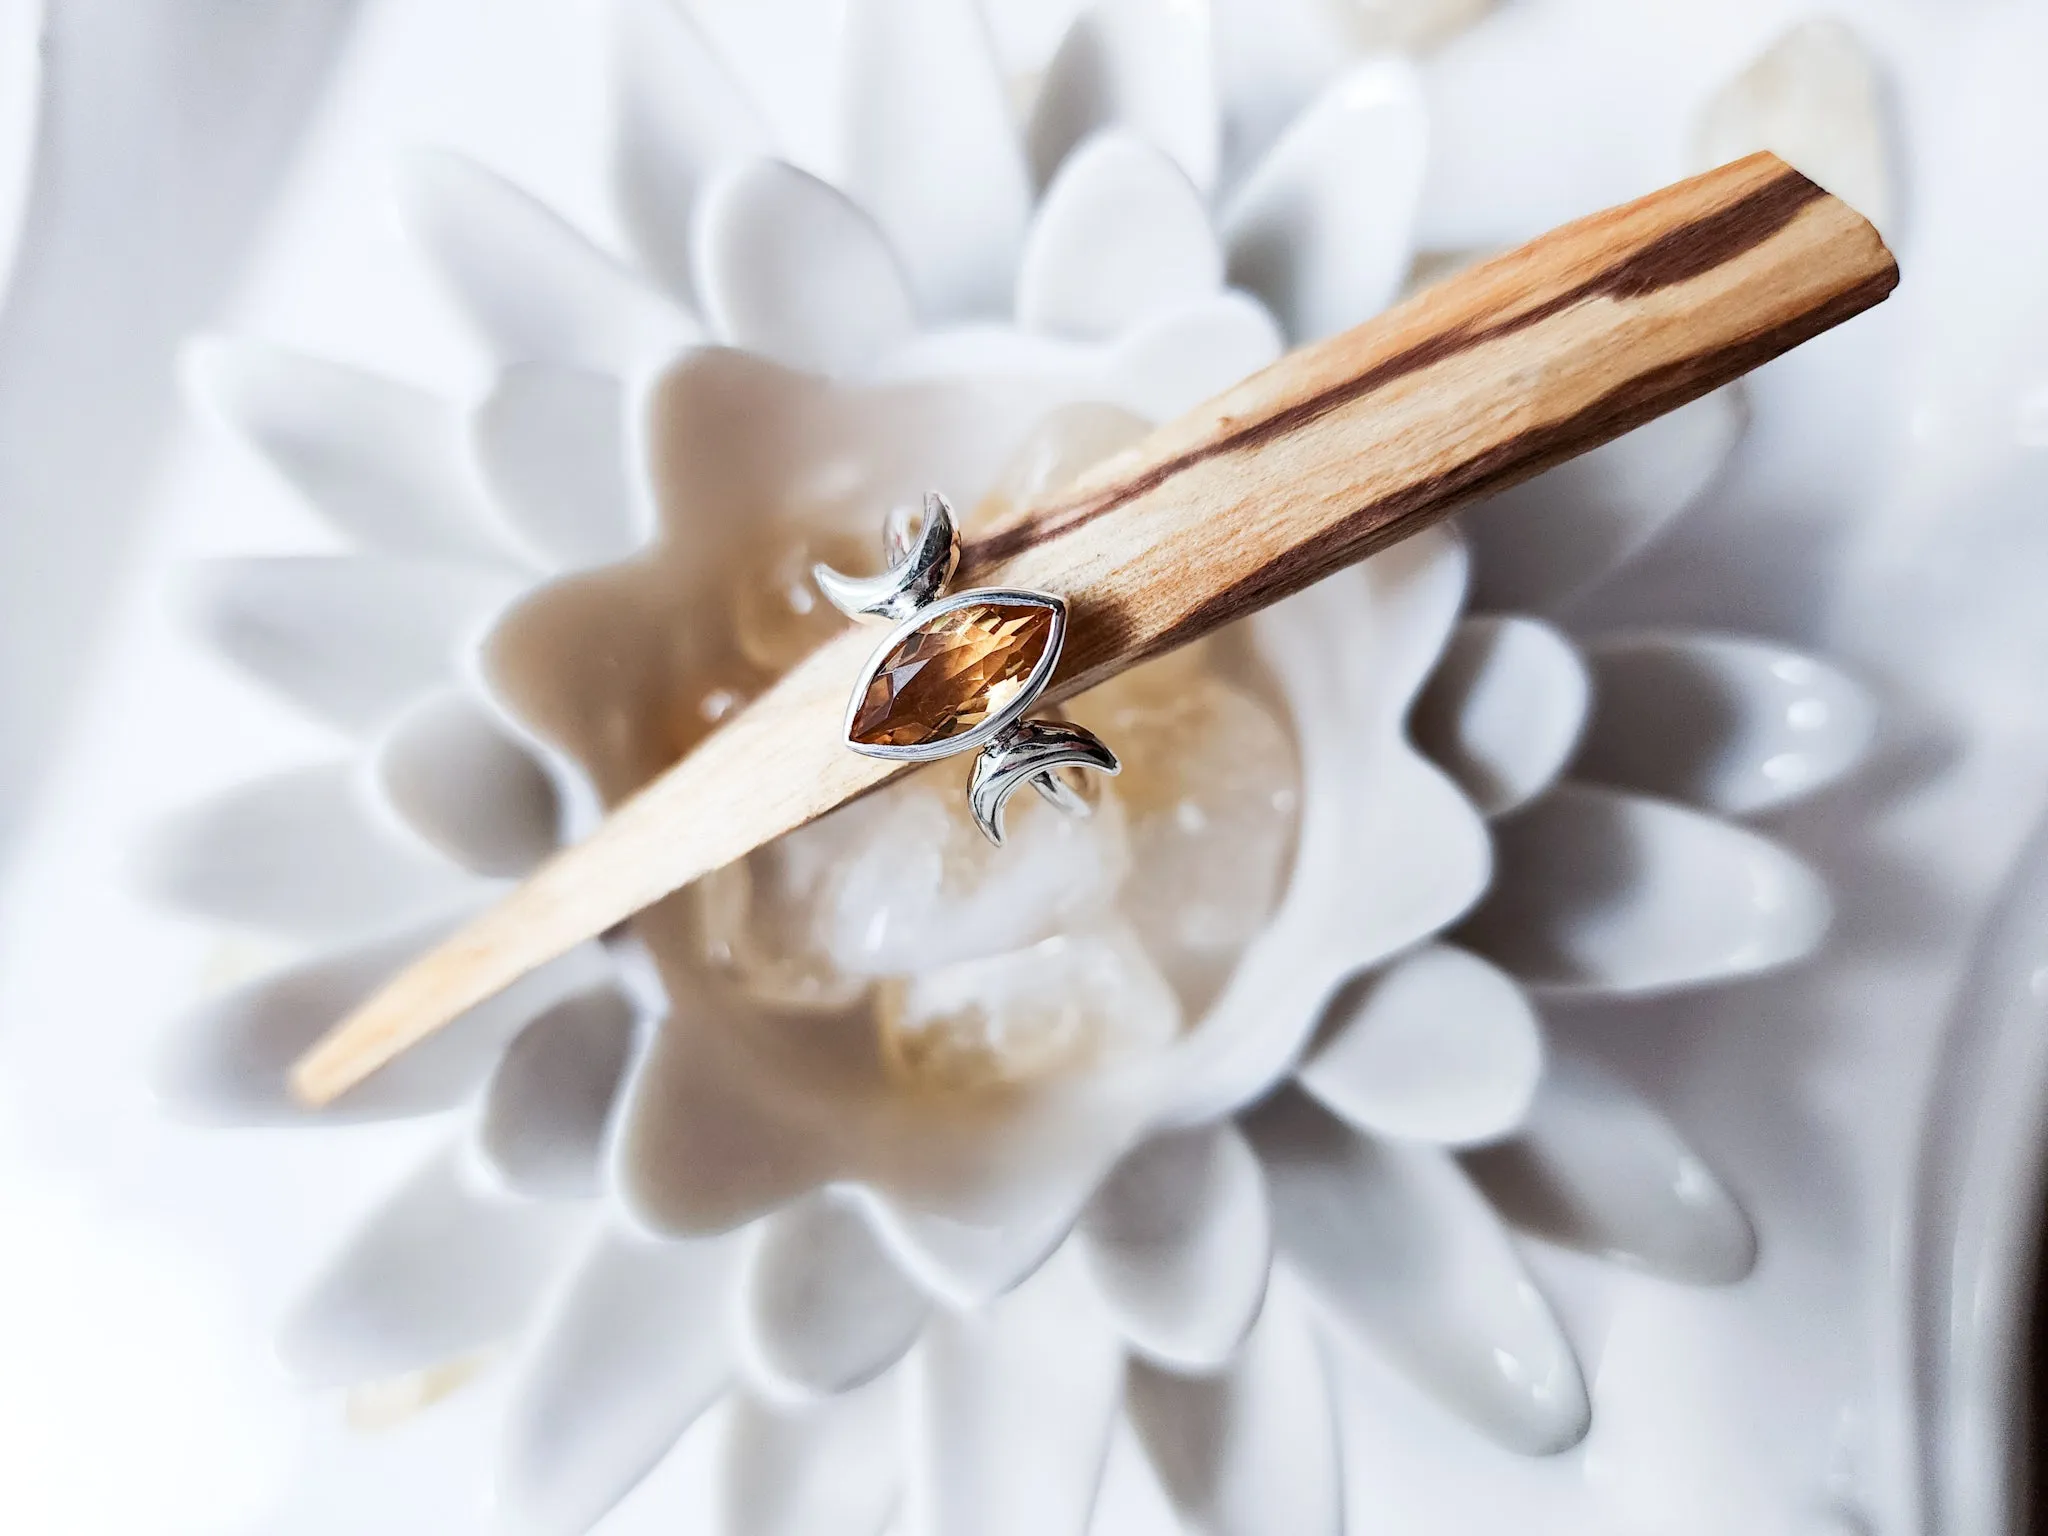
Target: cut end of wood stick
<point>1334,452</point>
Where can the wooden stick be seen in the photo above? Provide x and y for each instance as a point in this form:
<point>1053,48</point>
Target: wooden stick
<point>1337,450</point>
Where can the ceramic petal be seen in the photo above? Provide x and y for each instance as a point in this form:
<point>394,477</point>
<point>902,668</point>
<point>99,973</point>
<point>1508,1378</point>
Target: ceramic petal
<point>1729,724</point>
<point>1815,97</point>
<point>1504,709</point>
<point>1438,1047</point>
<point>1252,1449</point>
<point>302,854</point>
<point>1374,873</point>
<point>1547,540</point>
<point>551,444</point>
<point>831,1468</point>
<point>382,461</point>
<point>825,1308</point>
<point>631,1350</point>
<point>437,1271</point>
<point>792,270</point>
<point>535,289</point>
<point>1407,1261</point>
<point>540,1130</point>
<point>967,1262</point>
<point>1178,1242</point>
<point>1120,237</point>
<point>1603,892</point>
<point>988,349</point>
<point>350,638</point>
<point>700,1147</point>
<point>1322,228</point>
<point>1175,361</point>
<point>681,117</point>
<point>1143,65</point>
<point>225,1061</point>
<point>1010,1415</point>
<point>1271,57</point>
<point>1598,1167</point>
<point>1156,370</point>
<point>472,791</point>
<point>931,152</point>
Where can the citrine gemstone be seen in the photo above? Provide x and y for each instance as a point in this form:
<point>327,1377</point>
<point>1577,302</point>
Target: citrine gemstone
<point>950,674</point>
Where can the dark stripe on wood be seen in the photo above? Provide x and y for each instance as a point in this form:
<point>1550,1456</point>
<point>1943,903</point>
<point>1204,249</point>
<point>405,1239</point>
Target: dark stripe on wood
<point>1382,523</point>
<point>1675,257</point>
<point>1695,249</point>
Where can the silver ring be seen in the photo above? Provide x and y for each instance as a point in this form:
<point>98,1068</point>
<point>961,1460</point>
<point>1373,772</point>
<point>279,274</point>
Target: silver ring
<point>957,673</point>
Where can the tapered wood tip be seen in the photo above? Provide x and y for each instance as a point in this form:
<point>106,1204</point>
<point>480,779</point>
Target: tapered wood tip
<point>394,1019</point>
<point>324,1073</point>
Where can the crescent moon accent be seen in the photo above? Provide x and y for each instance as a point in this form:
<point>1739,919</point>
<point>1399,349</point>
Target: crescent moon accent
<point>1033,752</point>
<point>958,673</point>
<point>920,565</point>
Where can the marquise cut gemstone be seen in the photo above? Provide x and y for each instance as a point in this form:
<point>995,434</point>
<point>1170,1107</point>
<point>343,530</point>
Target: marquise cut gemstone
<point>946,677</point>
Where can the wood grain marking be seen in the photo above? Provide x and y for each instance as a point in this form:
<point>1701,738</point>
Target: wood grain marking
<point>1689,251</point>
<point>1391,519</point>
<point>1711,241</point>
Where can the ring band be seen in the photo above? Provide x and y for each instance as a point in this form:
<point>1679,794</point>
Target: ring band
<point>957,673</point>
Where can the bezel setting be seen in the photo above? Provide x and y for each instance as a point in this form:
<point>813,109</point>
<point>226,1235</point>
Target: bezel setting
<point>999,721</point>
<point>1014,751</point>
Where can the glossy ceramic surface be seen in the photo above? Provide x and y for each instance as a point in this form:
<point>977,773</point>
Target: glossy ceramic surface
<point>1650,1116</point>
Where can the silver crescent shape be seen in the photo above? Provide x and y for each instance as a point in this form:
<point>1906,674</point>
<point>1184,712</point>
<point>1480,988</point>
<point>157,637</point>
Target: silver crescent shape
<point>1032,752</point>
<point>918,570</point>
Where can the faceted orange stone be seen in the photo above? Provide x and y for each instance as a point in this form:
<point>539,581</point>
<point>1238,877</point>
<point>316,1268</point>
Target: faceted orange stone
<point>947,677</point>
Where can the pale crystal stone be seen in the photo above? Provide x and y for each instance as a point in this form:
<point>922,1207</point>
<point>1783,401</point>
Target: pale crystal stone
<point>1811,98</point>
<point>778,614</point>
<point>1407,24</point>
<point>1067,441</point>
<point>1069,1004</point>
<point>952,673</point>
<point>904,881</point>
<point>1210,790</point>
<point>762,920</point>
<point>902,884</point>
<point>927,889</point>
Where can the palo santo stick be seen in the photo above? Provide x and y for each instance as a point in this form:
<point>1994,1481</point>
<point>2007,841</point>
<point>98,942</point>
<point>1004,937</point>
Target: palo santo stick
<point>1335,451</point>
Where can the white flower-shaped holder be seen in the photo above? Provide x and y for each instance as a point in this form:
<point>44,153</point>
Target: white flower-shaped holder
<point>1103,1146</point>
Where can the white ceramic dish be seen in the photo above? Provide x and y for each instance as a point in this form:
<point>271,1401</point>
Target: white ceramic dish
<point>1692,1391</point>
